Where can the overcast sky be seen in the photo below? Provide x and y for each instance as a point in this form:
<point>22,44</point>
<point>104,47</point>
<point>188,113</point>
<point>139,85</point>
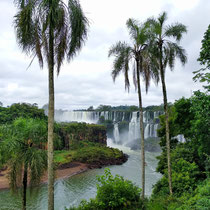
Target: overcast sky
<point>87,79</point>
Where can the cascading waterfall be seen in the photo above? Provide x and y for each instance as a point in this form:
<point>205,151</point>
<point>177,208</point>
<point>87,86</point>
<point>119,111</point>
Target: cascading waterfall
<point>150,120</point>
<point>116,133</point>
<point>134,128</point>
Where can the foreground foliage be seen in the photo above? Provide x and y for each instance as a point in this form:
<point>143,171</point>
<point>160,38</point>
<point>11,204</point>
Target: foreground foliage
<point>21,152</point>
<point>113,193</point>
<point>190,159</point>
<point>203,75</point>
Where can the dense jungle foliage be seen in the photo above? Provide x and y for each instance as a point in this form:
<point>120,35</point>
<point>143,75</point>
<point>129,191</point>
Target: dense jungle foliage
<point>190,165</point>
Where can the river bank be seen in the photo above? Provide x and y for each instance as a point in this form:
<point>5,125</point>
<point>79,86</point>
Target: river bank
<point>68,169</point>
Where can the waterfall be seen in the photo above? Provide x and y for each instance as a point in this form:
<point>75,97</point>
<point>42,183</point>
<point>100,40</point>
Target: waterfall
<point>134,128</point>
<point>116,133</point>
<point>180,138</point>
<point>78,116</point>
<point>150,120</point>
<point>155,130</point>
<point>147,131</point>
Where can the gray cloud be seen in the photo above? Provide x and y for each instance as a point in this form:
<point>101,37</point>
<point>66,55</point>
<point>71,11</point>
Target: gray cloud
<point>87,80</point>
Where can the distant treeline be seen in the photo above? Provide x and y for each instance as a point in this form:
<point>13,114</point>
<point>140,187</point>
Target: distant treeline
<point>16,110</point>
<point>123,108</point>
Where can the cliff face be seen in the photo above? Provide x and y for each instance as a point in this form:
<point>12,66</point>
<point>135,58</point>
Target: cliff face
<point>75,132</point>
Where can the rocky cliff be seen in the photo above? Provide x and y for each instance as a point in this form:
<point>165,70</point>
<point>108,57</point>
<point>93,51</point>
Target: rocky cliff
<point>76,132</point>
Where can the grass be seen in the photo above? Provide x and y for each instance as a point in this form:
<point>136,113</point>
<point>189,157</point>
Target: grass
<point>62,156</point>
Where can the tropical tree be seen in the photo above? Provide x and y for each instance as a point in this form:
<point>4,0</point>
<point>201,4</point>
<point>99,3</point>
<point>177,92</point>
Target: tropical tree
<point>140,54</point>
<point>165,51</point>
<point>50,30</point>
<point>203,74</point>
<point>26,160</point>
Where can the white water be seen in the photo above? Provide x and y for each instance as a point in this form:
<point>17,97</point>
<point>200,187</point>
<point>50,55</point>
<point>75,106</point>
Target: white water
<point>133,132</point>
<point>116,133</point>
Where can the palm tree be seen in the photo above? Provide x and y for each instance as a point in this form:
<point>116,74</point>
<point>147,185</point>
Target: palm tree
<point>139,52</point>
<point>26,160</point>
<point>165,52</point>
<point>50,30</point>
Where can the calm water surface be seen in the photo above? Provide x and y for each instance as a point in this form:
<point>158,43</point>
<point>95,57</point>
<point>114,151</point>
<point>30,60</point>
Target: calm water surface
<point>71,191</point>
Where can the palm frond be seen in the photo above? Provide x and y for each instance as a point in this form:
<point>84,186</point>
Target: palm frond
<point>146,73</point>
<point>24,27</point>
<point>123,53</point>
<point>176,31</point>
<point>173,51</point>
<point>162,18</point>
<point>133,28</point>
<point>37,164</point>
<point>79,28</point>
<point>15,166</point>
<point>61,37</point>
<point>38,47</point>
<point>118,48</point>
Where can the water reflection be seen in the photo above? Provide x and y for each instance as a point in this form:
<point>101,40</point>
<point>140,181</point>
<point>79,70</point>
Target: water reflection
<point>72,190</point>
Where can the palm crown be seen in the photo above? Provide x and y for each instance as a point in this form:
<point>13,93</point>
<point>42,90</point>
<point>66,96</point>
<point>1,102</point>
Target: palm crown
<point>34,20</point>
<point>162,35</point>
<point>124,53</point>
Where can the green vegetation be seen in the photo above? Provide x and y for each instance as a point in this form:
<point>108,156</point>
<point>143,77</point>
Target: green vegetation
<point>62,156</point>
<point>94,154</point>
<point>113,193</point>
<point>190,160</point>
<point>25,110</point>
<point>88,152</point>
<point>23,144</point>
<point>52,31</point>
<point>203,74</point>
<point>117,108</point>
<point>73,133</point>
<point>21,151</point>
<point>122,108</point>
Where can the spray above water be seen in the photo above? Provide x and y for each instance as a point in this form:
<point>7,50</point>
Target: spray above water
<point>125,125</point>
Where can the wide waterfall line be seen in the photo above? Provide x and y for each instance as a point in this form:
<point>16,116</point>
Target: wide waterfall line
<point>130,119</point>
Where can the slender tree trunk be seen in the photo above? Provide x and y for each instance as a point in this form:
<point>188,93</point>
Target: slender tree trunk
<point>142,130</point>
<point>25,178</point>
<point>162,75</point>
<point>51,121</point>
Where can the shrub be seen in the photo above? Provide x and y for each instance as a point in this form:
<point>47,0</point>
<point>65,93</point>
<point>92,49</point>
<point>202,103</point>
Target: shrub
<point>184,180</point>
<point>114,193</point>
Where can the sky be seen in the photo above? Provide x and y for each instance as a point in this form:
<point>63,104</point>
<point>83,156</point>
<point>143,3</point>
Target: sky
<point>86,80</point>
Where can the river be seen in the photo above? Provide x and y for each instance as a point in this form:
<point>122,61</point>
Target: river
<point>72,190</point>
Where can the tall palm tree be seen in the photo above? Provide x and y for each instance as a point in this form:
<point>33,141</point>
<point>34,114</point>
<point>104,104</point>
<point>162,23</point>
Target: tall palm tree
<point>165,52</point>
<point>50,30</point>
<point>139,52</point>
<point>26,160</point>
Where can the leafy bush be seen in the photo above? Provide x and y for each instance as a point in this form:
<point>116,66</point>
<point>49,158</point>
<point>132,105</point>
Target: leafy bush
<point>184,176</point>
<point>113,193</point>
<point>199,199</point>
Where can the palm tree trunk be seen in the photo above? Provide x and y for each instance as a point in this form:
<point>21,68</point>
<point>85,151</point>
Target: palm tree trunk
<point>142,130</point>
<point>25,178</point>
<point>51,121</point>
<point>162,75</point>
